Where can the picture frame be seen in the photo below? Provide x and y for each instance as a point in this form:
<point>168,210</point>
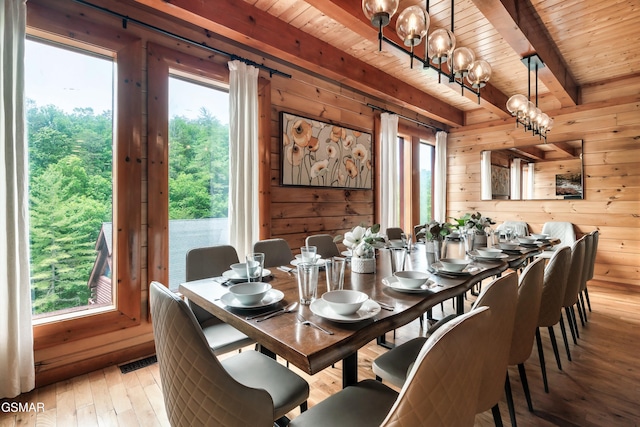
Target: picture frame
<point>315,153</point>
<point>569,185</point>
<point>500,182</point>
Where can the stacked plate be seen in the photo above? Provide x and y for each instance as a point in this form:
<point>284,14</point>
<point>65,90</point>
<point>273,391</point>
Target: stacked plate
<point>487,254</point>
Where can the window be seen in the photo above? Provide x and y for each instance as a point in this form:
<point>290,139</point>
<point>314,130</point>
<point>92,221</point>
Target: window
<point>70,133</point>
<point>426,160</point>
<point>198,168</point>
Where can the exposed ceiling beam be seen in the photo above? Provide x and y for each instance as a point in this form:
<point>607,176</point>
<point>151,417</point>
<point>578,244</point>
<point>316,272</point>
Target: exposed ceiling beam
<point>252,27</point>
<point>349,13</point>
<point>520,26</point>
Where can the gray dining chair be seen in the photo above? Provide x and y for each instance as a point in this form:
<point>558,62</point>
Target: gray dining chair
<point>592,263</point>
<point>524,328</point>
<point>208,262</point>
<point>394,233</point>
<point>247,389</point>
<point>559,230</point>
<point>441,389</point>
<point>327,248</point>
<point>276,252</point>
<point>553,289</point>
<point>574,281</point>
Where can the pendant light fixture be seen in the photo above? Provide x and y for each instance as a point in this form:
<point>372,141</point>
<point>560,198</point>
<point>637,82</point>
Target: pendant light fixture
<point>412,26</point>
<point>526,112</point>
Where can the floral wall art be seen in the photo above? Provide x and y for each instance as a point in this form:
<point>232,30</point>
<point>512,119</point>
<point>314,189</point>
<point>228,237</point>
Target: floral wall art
<point>320,154</point>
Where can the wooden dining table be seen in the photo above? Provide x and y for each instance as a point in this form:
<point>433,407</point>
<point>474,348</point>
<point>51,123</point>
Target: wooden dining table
<point>312,350</point>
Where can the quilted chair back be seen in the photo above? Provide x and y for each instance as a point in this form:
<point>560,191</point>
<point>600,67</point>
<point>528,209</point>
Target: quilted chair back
<point>501,297</point>
<point>196,388</point>
<point>574,280</point>
<point>276,252</point>
<point>327,248</point>
<point>586,264</point>
<point>520,227</point>
<point>527,311</point>
<point>554,287</point>
<point>595,237</point>
<point>561,230</point>
<point>206,262</point>
<point>443,384</point>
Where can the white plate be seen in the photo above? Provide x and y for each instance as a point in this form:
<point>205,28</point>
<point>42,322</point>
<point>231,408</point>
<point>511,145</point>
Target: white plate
<point>393,283</point>
<point>475,255</point>
<point>235,277</point>
<point>439,269</point>
<point>319,261</point>
<point>272,297</point>
<point>369,308</point>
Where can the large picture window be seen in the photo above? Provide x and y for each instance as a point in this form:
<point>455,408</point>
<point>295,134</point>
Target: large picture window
<point>70,134</point>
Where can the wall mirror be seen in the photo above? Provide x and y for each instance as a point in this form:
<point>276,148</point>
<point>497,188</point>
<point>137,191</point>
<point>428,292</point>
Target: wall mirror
<point>547,171</point>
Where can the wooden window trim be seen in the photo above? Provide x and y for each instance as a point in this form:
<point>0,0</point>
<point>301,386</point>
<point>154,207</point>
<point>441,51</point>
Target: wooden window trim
<point>127,169</point>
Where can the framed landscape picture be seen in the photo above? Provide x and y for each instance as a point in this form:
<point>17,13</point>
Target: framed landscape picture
<point>500,184</point>
<point>569,185</point>
<point>319,154</point>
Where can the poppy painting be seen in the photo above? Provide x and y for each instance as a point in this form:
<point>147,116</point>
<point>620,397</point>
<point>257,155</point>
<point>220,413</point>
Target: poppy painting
<point>320,154</point>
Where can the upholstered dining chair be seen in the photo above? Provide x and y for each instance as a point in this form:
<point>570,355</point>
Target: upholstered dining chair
<point>327,248</point>
<point>524,328</point>
<point>247,389</point>
<point>592,264</point>
<point>520,227</point>
<point>559,230</point>
<point>574,281</point>
<point>276,252</point>
<point>554,286</point>
<point>501,296</point>
<point>587,270</point>
<point>207,262</point>
<point>441,389</point>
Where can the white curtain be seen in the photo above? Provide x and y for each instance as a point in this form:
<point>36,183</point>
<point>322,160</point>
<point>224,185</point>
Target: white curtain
<point>531,167</point>
<point>440,178</point>
<point>17,373</point>
<point>516,179</point>
<point>243,157</point>
<point>485,176</point>
<point>389,172</point>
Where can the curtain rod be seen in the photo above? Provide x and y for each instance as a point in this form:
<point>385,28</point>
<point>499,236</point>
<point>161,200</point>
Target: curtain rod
<point>384,110</point>
<point>233,57</point>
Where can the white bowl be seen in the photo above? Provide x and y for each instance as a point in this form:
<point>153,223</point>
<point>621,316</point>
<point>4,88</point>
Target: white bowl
<point>250,293</point>
<point>345,302</point>
<point>508,246</point>
<point>240,268</point>
<point>540,236</point>
<point>488,252</point>
<point>299,257</point>
<point>411,279</point>
<point>454,264</point>
<point>526,240</point>
<point>396,243</point>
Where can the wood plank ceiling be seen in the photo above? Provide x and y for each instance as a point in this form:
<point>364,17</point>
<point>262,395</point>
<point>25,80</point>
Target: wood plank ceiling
<point>582,42</point>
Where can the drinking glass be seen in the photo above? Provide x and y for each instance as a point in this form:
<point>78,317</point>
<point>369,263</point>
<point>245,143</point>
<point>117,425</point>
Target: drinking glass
<point>334,270</point>
<point>398,257</point>
<point>255,263</point>
<point>307,282</point>
<point>308,253</point>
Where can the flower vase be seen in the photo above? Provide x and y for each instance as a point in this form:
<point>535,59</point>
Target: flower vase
<point>363,265</point>
<point>480,240</point>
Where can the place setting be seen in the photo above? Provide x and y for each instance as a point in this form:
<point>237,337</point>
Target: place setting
<point>308,255</point>
<point>409,281</point>
<point>345,306</point>
<point>250,292</point>
<point>454,267</point>
<point>487,254</point>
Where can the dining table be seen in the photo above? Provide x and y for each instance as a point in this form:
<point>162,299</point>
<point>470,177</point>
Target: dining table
<point>312,350</point>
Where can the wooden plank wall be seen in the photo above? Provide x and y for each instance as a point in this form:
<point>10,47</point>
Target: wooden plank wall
<point>297,212</point>
<point>611,133</point>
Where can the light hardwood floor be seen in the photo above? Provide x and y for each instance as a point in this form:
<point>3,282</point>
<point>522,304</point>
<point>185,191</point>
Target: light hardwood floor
<point>601,387</point>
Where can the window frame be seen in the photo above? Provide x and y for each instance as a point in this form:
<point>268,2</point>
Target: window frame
<point>75,31</point>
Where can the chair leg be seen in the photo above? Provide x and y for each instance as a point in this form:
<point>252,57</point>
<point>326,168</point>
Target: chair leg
<point>586,295</point>
<point>584,308</point>
<point>554,344</point>
<point>497,419</point>
<point>512,409</point>
<point>525,385</point>
<point>564,337</point>
<point>571,324</point>
<point>303,406</point>
<point>543,368</point>
<point>575,320</point>
<point>583,319</point>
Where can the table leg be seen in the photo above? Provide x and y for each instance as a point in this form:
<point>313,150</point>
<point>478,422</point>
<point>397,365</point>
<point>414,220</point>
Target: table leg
<point>350,370</point>
<point>460,304</point>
